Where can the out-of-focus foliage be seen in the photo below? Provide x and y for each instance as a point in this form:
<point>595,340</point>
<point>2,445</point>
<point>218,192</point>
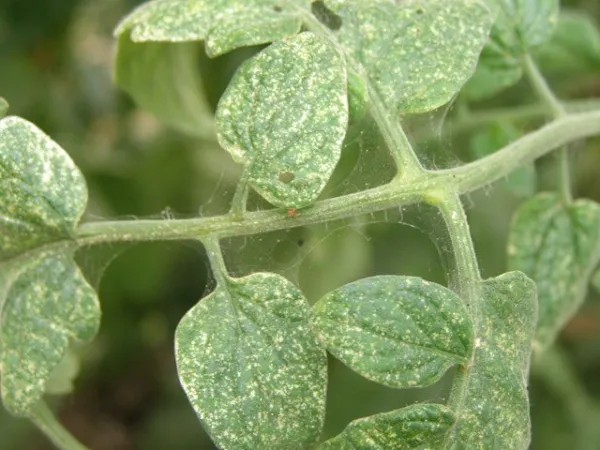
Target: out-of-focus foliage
<point>55,70</point>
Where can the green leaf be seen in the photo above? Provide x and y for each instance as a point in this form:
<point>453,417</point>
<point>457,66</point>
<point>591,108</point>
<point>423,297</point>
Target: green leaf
<point>522,182</point>
<point>397,331</point>
<point>223,24</point>
<point>495,411</point>
<point>558,246</point>
<point>164,79</point>
<point>157,57</point>
<point>251,366</point>
<point>284,116</point>
<point>43,193</point>
<point>3,107</point>
<point>46,303</point>
<point>520,26</point>
<point>421,426</point>
<point>489,79</point>
<point>417,54</point>
<point>574,47</point>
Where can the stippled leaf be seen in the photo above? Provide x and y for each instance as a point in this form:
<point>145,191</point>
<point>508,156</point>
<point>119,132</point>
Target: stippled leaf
<point>285,116</point>
<point>417,54</point>
<point>44,300</point>
<point>520,26</point>
<point>157,55</point>
<point>573,48</point>
<point>492,138</point>
<point>163,78</point>
<point>415,427</point>
<point>223,24</point>
<point>495,411</point>
<point>397,331</point>
<point>46,303</point>
<point>558,246</point>
<point>251,366</point>
<point>3,107</point>
<point>43,194</point>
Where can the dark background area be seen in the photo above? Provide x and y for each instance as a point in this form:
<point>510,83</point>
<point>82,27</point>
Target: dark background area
<point>56,71</point>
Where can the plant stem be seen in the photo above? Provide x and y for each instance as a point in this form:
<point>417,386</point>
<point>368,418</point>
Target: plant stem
<point>467,269</point>
<point>465,281</point>
<point>543,91</point>
<point>556,371</point>
<point>545,94</point>
<point>525,150</point>
<point>406,160</point>
<point>215,257</point>
<point>45,420</point>
<point>459,180</point>
<point>465,122</point>
<point>240,198</point>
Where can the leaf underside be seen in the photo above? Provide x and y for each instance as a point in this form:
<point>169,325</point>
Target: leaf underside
<point>163,78</point>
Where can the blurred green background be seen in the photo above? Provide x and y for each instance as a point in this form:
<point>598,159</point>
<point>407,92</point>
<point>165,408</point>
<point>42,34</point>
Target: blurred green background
<point>56,71</point>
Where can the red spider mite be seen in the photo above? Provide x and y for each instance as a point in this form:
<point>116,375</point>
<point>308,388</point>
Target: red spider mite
<point>291,212</point>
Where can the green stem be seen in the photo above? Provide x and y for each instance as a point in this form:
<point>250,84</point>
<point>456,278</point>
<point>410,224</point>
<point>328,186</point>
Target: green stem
<point>240,198</point>
<point>555,370</point>
<point>465,281</point>
<point>45,420</point>
<point>545,94</point>
<point>541,87</point>
<point>467,269</point>
<point>464,122</point>
<point>215,257</point>
<point>460,180</point>
<point>407,163</point>
<point>525,150</point>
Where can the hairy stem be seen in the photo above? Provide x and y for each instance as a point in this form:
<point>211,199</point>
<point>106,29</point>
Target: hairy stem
<point>465,281</point>
<point>406,160</point>
<point>545,94</point>
<point>240,198</point>
<point>44,419</point>
<point>215,257</point>
<point>459,180</point>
